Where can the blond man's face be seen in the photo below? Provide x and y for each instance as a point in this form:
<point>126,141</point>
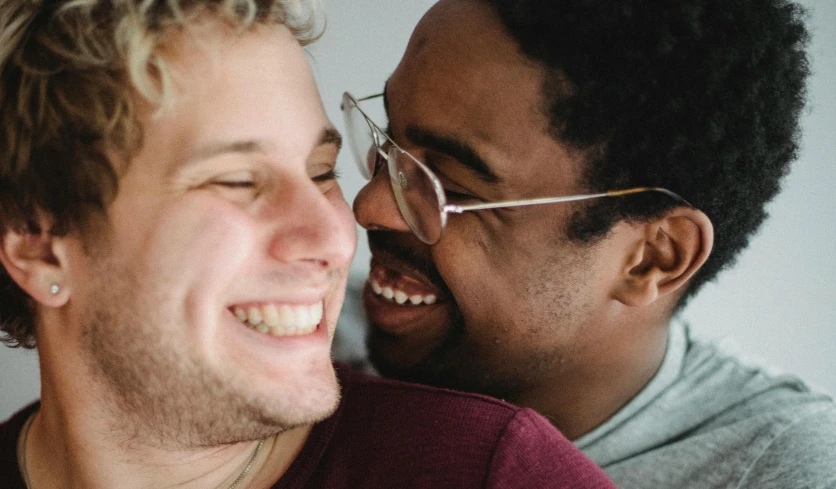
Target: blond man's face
<point>209,307</point>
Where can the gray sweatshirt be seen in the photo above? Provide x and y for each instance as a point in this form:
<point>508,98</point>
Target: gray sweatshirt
<point>706,420</point>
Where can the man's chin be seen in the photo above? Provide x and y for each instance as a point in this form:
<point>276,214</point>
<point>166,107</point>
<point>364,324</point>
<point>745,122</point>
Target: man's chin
<point>307,396</point>
<point>452,365</point>
<point>405,352</point>
<point>410,359</point>
<point>422,372</point>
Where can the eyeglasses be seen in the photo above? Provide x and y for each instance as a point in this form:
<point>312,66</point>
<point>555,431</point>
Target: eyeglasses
<point>418,192</point>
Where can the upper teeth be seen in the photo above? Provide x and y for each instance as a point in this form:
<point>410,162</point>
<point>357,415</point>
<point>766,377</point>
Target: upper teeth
<point>400,296</point>
<point>283,320</point>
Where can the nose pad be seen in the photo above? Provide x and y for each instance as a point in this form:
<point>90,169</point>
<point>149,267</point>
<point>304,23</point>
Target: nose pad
<point>375,207</point>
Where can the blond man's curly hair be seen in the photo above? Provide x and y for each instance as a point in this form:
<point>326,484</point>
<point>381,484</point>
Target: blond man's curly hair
<point>69,72</point>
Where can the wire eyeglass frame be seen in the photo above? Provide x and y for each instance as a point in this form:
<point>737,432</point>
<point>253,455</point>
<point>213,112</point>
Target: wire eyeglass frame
<point>399,182</point>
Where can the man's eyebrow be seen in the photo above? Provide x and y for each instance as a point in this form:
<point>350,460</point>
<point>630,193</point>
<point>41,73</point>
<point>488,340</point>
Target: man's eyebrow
<point>454,148</point>
<point>215,149</point>
<point>459,150</point>
<point>331,136</point>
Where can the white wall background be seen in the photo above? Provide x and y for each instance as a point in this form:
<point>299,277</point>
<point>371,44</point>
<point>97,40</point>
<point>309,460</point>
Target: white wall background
<point>777,305</point>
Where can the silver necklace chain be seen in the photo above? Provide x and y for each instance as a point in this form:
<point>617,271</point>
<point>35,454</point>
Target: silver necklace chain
<point>26,429</point>
<point>248,467</point>
<point>25,471</point>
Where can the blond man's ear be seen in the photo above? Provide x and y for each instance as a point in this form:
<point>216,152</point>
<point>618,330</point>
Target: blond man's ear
<point>37,263</point>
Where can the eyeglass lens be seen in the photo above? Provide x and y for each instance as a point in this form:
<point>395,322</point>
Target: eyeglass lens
<point>417,196</point>
<point>361,139</point>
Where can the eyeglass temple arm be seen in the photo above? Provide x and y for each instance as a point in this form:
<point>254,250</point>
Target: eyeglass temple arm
<point>377,95</point>
<point>458,209</point>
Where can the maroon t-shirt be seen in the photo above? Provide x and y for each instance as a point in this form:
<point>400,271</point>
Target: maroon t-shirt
<point>389,434</point>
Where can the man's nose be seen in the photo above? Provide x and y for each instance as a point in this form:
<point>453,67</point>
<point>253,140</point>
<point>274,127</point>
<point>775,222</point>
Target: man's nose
<point>313,228</point>
<point>375,207</point>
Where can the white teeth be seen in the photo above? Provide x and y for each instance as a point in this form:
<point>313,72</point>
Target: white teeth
<point>240,314</point>
<point>286,315</point>
<point>400,297</point>
<point>284,320</point>
<point>271,316</point>
<point>254,316</point>
<point>316,314</point>
<point>303,317</point>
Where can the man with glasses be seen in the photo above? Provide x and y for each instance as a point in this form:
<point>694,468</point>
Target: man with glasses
<point>555,180</point>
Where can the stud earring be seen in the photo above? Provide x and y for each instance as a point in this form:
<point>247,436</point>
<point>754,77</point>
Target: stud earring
<point>54,289</point>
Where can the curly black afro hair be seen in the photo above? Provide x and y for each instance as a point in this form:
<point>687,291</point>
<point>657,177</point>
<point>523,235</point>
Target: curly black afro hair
<point>702,97</point>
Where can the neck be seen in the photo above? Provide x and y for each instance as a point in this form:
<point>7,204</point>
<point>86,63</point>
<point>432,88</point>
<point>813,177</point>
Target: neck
<point>601,381</point>
<point>58,457</point>
<point>75,441</point>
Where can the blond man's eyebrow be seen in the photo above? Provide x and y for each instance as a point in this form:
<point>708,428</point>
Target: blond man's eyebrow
<point>329,136</point>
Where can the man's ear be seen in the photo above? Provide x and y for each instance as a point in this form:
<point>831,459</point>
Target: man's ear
<point>37,263</point>
<point>672,250</point>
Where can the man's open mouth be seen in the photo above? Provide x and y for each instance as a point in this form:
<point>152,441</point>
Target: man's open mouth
<point>399,288</point>
<point>399,296</point>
